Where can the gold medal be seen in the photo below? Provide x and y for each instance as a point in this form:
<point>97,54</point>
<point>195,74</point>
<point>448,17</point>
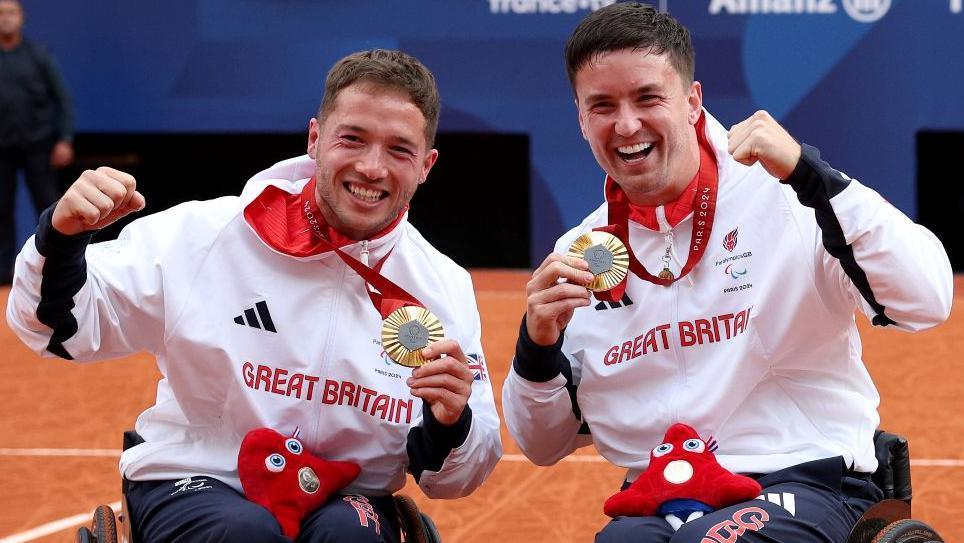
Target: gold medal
<point>407,331</point>
<point>607,257</point>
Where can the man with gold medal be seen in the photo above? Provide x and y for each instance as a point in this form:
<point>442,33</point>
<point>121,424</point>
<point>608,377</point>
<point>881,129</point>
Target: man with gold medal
<point>716,287</point>
<point>308,305</point>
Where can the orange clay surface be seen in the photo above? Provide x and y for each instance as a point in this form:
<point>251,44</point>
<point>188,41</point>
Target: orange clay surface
<point>54,404</point>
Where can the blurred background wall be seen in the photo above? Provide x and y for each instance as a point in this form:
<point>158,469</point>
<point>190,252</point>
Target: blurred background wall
<point>194,96</point>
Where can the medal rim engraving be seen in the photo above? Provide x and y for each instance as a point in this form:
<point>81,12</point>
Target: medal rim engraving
<point>616,273</point>
<point>391,327</point>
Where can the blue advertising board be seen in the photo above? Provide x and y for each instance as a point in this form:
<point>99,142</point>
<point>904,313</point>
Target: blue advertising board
<point>856,78</point>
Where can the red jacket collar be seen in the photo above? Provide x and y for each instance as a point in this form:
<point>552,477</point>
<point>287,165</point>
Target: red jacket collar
<point>292,224</point>
<point>679,209</point>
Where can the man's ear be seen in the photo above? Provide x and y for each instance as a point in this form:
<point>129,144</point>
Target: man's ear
<point>314,132</point>
<point>695,102</point>
<point>430,158</point>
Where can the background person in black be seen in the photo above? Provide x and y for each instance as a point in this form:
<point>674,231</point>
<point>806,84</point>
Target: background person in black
<point>36,125</point>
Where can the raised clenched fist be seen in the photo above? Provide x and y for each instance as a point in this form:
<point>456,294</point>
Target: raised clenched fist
<point>96,199</point>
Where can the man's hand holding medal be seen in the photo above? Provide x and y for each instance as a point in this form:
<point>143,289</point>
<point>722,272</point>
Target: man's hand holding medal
<point>445,381</point>
<point>557,288</point>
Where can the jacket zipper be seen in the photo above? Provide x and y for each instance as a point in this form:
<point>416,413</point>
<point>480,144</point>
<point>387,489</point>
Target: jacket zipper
<point>324,371</point>
<point>667,231</point>
<point>364,260</point>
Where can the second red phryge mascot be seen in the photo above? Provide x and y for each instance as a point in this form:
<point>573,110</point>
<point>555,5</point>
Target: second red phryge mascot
<point>683,481</point>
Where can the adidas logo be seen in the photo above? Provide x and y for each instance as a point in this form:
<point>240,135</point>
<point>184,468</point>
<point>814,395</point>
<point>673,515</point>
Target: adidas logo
<point>785,500</point>
<point>614,305</point>
<point>251,314</point>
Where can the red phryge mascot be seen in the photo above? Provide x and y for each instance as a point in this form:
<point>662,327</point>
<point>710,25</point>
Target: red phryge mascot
<point>683,481</point>
<point>278,474</point>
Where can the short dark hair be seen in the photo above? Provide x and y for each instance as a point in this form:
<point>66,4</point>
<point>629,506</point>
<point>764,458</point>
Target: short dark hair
<point>389,69</point>
<point>630,25</point>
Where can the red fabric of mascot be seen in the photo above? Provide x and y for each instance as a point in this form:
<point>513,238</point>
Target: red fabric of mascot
<point>278,474</point>
<point>683,482</point>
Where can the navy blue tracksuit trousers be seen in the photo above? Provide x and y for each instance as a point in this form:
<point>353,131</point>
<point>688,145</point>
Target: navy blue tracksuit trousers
<point>815,502</point>
<point>204,510</point>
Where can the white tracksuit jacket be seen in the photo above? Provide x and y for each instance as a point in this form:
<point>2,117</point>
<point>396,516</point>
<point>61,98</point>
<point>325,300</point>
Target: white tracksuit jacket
<point>246,337</point>
<point>756,347</point>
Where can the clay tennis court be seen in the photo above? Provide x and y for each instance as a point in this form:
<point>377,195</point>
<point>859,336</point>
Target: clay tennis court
<point>61,424</point>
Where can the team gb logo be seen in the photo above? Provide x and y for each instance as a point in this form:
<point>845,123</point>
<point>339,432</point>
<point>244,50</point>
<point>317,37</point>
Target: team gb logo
<point>729,242</point>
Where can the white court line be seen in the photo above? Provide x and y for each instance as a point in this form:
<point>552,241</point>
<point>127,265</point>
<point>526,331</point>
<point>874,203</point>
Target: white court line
<point>576,458</point>
<point>937,462</point>
<point>595,458</point>
<point>60,452</point>
<point>53,527</point>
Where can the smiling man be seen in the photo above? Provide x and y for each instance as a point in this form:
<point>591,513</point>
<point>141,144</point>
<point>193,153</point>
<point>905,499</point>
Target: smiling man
<point>726,268</point>
<point>270,310</point>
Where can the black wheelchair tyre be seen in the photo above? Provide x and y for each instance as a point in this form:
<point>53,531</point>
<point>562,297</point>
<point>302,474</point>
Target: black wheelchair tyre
<point>431,532</point>
<point>908,531</point>
<point>103,527</point>
<point>866,530</point>
<point>84,536</point>
<point>411,523</point>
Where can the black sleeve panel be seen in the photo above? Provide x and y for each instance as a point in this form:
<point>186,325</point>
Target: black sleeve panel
<point>430,443</point>
<point>64,273</point>
<point>539,364</point>
<point>815,183</point>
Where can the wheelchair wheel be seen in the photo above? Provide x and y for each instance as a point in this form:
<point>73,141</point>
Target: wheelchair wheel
<point>102,529</point>
<point>431,532</point>
<point>104,526</point>
<point>410,519</point>
<point>908,531</point>
<point>84,536</point>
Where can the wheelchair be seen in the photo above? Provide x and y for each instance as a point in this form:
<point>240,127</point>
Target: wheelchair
<point>106,527</point>
<point>889,521</point>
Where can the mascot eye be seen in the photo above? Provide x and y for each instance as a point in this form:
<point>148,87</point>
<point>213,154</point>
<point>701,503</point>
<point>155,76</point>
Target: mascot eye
<point>660,450</point>
<point>293,446</point>
<point>694,445</point>
<point>274,462</point>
